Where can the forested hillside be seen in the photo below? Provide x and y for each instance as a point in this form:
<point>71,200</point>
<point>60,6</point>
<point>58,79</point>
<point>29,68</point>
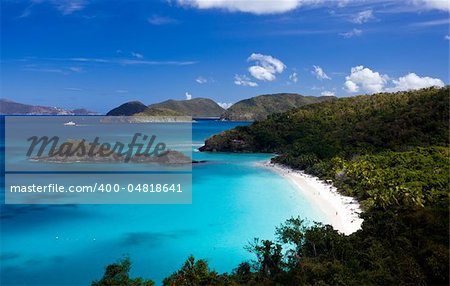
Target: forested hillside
<point>259,107</point>
<point>196,107</point>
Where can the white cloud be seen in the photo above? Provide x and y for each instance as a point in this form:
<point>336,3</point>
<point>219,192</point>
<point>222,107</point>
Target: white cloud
<point>251,6</point>
<point>319,73</point>
<point>188,95</point>
<point>363,17</point>
<point>137,55</point>
<point>244,81</point>
<point>443,5</point>
<point>293,77</point>
<point>365,79</point>
<point>161,20</point>
<point>260,7</point>
<point>225,105</point>
<point>352,33</point>
<point>447,37</point>
<point>351,86</point>
<point>116,61</point>
<point>201,80</point>
<point>266,67</point>
<point>261,73</point>
<point>327,93</point>
<point>413,81</point>
<point>432,23</point>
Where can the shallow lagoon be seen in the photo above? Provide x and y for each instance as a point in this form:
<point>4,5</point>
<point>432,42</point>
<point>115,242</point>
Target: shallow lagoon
<point>233,202</point>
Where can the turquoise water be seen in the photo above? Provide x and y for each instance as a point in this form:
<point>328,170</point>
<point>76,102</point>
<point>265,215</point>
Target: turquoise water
<point>233,202</point>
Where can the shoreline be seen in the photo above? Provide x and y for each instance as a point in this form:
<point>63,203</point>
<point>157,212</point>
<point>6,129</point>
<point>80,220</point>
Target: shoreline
<point>341,212</point>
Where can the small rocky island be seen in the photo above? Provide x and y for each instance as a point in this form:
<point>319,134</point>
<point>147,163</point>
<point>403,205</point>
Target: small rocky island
<point>169,157</point>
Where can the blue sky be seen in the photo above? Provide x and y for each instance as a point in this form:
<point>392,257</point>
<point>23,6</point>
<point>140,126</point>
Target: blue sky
<point>98,54</point>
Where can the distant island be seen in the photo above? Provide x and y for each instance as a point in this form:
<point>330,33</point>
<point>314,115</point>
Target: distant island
<point>8,107</point>
<point>97,154</point>
<point>255,108</point>
<point>259,107</point>
<point>196,107</point>
<point>251,109</point>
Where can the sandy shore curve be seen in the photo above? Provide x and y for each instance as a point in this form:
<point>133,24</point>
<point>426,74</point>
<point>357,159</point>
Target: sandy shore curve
<point>341,212</point>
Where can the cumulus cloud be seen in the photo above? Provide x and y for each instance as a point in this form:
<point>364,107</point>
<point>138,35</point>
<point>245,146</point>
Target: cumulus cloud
<point>201,80</point>
<point>225,105</point>
<point>366,80</point>
<point>244,81</point>
<point>443,5</point>
<point>327,93</point>
<point>188,95</point>
<point>319,73</point>
<point>350,86</point>
<point>362,78</point>
<point>352,33</point>
<point>252,6</point>
<point>363,17</point>
<point>265,67</point>
<point>293,77</point>
<point>413,81</point>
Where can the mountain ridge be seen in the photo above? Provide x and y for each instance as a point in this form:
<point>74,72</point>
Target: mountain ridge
<point>250,109</point>
<point>259,107</point>
<point>9,107</point>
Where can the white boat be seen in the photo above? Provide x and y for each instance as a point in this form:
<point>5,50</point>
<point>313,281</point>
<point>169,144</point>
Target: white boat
<point>70,123</point>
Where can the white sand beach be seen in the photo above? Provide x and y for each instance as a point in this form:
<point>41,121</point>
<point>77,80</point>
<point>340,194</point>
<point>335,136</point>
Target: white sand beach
<point>342,212</point>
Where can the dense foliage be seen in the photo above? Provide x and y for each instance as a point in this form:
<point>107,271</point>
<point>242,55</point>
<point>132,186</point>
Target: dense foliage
<point>127,109</point>
<point>155,111</point>
<point>259,107</point>
<point>117,274</point>
<point>391,152</point>
<point>196,107</point>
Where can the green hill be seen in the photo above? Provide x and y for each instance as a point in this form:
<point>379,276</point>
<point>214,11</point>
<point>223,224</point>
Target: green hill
<point>155,111</point>
<point>353,125</point>
<point>8,107</point>
<point>259,107</point>
<point>128,109</point>
<point>196,107</point>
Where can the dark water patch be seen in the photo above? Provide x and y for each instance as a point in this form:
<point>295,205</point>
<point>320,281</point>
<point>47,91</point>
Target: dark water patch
<point>9,256</point>
<point>152,238</point>
<point>11,211</point>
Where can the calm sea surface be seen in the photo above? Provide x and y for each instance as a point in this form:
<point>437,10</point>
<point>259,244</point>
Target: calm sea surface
<point>233,202</point>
